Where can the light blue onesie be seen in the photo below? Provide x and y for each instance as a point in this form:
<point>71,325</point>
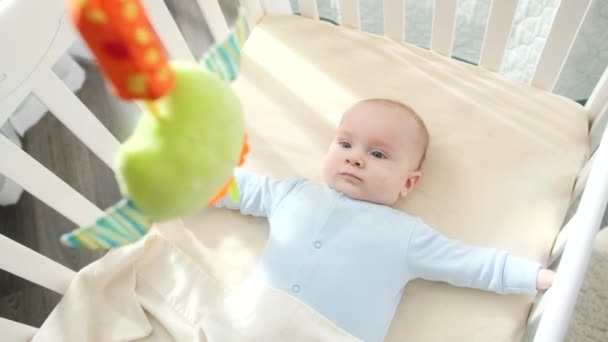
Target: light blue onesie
<point>350,260</point>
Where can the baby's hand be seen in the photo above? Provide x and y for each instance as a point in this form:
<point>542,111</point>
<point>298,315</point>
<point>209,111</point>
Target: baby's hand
<point>544,279</point>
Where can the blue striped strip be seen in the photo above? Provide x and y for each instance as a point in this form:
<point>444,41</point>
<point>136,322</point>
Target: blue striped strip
<point>70,240</point>
<point>103,240</point>
<point>208,64</point>
<point>137,225</point>
<point>214,66</point>
<point>224,57</point>
<point>122,223</point>
<point>108,223</point>
<point>220,66</point>
<point>228,63</point>
<point>232,48</point>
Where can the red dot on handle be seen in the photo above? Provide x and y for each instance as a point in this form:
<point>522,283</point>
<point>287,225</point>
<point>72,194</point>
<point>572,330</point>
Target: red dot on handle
<point>116,50</point>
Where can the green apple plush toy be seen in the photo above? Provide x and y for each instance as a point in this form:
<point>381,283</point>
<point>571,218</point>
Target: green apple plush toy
<point>175,163</point>
<point>181,153</point>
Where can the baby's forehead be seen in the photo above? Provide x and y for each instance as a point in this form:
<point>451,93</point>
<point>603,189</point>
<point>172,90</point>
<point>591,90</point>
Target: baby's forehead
<point>386,119</point>
<point>382,116</point>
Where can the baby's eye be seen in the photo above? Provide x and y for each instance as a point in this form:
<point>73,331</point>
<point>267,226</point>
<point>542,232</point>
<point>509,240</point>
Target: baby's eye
<point>345,144</point>
<point>378,154</point>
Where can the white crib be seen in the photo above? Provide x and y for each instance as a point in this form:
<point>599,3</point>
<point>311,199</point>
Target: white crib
<point>46,34</point>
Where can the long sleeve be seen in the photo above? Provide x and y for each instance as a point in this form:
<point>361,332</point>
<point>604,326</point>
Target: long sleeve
<point>258,195</point>
<point>432,256</point>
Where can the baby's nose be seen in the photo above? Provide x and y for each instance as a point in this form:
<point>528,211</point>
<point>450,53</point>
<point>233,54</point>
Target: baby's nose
<point>354,161</point>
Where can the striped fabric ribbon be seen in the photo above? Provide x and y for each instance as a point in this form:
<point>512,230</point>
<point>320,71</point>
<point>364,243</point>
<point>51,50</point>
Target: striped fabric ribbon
<point>224,57</point>
<point>122,223</point>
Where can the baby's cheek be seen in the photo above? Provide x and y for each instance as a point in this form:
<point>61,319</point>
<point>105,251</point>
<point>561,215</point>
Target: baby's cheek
<point>386,190</point>
<point>385,184</point>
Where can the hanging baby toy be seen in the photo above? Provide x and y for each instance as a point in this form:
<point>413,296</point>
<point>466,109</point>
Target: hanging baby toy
<point>191,133</point>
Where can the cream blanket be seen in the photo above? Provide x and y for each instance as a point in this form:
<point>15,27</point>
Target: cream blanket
<point>160,289</point>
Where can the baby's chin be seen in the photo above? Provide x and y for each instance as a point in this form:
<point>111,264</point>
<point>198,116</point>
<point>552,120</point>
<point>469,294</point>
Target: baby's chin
<point>354,191</point>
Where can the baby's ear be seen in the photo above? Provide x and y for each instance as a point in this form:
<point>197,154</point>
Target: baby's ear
<point>410,183</point>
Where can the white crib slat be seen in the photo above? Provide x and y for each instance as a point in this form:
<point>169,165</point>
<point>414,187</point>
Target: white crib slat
<point>35,267</point>
<point>497,33</point>
<point>579,186</point>
<point>599,96</point>
<point>349,14</point>
<point>599,126</point>
<point>65,37</point>
<point>537,309</point>
<point>15,331</point>
<point>308,8</point>
<point>442,35</point>
<point>567,22</point>
<point>562,238</point>
<point>583,176</point>
<point>10,103</point>
<point>212,12</point>
<point>277,6</point>
<point>62,40</point>
<point>575,259</point>
<point>167,30</point>
<point>43,184</point>
<point>76,116</point>
<point>394,19</point>
<point>255,12</point>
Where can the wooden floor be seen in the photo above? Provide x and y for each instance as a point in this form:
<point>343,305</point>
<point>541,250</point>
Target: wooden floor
<point>37,226</point>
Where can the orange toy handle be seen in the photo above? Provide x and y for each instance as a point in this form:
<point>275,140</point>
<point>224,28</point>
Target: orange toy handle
<point>125,46</point>
<point>224,190</point>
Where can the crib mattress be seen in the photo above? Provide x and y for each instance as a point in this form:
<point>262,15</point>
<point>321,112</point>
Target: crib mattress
<point>500,167</point>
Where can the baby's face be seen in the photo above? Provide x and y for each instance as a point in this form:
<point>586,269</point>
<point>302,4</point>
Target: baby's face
<point>375,154</point>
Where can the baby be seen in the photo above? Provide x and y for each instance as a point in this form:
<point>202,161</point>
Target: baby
<point>342,249</point>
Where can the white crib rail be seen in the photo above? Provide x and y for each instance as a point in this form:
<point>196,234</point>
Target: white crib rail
<point>28,264</point>
<point>599,97</point>
<point>167,30</point>
<point>14,331</point>
<point>564,29</point>
<point>442,34</point>
<point>75,116</point>
<point>215,18</point>
<point>277,6</point>
<point>598,127</point>
<point>497,33</point>
<point>255,11</point>
<point>43,184</point>
<point>349,13</point>
<point>309,9</point>
<point>394,19</point>
<point>559,305</point>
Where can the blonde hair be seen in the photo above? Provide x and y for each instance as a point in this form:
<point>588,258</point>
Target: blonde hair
<point>412,113</point>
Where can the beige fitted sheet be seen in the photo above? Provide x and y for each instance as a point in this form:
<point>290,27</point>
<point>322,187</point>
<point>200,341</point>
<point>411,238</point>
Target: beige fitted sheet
<point>500,167</point>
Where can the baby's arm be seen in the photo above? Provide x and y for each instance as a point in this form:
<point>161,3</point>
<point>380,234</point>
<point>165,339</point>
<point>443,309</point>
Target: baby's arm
<point>432,256</point>
<point>258,194</point>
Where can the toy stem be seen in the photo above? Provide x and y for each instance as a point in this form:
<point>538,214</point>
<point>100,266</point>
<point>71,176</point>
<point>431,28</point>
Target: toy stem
<point>151,106</point>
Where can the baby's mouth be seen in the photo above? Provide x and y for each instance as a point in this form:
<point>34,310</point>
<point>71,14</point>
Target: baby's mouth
<point>351,176</point>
